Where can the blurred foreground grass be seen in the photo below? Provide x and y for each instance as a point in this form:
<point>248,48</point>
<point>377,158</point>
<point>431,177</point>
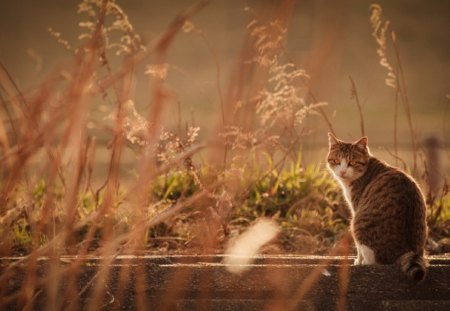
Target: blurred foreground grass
<point>183,191</point>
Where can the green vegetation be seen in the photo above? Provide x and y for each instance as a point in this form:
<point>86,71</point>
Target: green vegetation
<point>305,202</point>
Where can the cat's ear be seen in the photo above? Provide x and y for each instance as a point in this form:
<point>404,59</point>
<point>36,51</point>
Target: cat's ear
<point>332,140</point>
<point>362,143</point>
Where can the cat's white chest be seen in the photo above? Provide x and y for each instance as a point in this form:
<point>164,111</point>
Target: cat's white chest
<point>348,197</point>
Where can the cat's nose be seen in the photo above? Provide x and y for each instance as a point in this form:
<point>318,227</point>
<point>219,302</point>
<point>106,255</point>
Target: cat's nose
<point>342,173</point>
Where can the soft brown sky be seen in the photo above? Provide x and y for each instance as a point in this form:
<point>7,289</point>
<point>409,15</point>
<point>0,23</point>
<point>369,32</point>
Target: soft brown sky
<point>332,39</point>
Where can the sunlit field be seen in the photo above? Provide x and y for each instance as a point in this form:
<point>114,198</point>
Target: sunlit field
<point>206,134</point>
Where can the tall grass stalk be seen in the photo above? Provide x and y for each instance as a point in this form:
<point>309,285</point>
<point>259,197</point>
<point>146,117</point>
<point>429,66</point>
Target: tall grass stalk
<point>385,37</point>
<point>354,91</point>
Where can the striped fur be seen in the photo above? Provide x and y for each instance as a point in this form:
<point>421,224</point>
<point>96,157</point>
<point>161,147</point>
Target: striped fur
<point>388,207</point>
<point>414,266</point>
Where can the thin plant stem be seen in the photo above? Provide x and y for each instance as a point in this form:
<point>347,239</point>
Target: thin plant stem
<point>405,100</point>
<point>358,104</point>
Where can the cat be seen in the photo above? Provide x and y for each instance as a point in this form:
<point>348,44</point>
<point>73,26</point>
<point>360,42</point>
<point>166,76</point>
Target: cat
<point>388,209</point>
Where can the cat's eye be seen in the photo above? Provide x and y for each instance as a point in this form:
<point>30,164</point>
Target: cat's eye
<point>356,163</point>
<point>334,161</point>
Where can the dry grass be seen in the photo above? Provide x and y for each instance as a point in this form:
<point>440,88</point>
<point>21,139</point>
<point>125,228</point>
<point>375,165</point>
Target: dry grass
<point>51,204</point>
<point>389,54</point>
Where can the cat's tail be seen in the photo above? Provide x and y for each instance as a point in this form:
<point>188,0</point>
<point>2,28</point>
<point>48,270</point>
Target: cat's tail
<point>414,266</point>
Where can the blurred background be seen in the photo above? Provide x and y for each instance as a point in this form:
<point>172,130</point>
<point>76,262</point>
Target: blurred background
<point>331,40</point>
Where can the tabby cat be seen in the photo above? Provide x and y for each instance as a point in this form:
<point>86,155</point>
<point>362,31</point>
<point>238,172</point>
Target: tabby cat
<point>388,209</point>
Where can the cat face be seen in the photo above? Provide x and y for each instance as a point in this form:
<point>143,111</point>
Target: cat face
<point>347,161</point>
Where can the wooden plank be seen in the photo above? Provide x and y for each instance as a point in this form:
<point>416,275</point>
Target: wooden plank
<point>181,282</point>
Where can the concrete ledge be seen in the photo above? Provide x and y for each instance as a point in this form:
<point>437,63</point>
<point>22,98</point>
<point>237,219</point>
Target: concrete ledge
<point>203,282</point>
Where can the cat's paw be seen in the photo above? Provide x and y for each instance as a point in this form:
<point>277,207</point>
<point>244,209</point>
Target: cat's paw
<point>371,261</point>
<point>357,262</point>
